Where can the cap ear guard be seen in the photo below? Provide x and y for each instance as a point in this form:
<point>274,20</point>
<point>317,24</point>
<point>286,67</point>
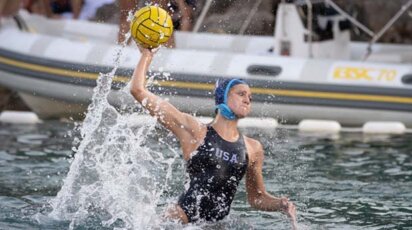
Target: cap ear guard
<point>226,112</point>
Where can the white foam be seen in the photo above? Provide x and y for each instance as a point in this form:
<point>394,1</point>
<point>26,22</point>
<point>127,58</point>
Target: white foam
<point>113,176</point>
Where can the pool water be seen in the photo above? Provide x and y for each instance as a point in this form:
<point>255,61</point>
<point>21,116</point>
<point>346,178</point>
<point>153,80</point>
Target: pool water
<point>339,181</point>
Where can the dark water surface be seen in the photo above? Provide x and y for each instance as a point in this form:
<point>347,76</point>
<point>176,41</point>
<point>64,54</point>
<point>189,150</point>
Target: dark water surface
<point>345,181</point>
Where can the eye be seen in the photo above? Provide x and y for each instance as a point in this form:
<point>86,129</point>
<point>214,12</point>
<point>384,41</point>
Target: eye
<point>250,98</point>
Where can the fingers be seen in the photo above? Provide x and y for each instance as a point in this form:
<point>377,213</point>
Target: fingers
<point>290,210</point>
<point>284,201</point>
<point>292,215</point>
<point>154,50</point>
<point>147,51</point>
<point>288,207</point>
<point>294,225</point>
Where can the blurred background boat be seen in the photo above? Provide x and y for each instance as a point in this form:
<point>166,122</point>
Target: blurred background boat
<point>309,69</point>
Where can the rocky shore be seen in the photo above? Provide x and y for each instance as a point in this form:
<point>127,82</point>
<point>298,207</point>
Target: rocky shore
<point>10,100</point>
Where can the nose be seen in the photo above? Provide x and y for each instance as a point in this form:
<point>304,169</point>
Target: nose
<point>246,100</point>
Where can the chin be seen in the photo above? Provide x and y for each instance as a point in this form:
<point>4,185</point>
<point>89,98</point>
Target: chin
<point>242,113</point>
<point>240,116</point>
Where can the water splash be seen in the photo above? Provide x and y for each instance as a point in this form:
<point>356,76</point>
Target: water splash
<point>113,179</point>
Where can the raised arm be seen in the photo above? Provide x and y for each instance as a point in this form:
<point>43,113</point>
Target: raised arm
<point>256,192</point>
<point>187,129</point>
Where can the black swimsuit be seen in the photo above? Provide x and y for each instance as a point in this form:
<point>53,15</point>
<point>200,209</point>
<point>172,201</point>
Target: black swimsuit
<point>215,170</point>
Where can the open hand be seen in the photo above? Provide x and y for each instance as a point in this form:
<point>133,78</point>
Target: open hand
<point>148,52</point>
<point>289,209</point>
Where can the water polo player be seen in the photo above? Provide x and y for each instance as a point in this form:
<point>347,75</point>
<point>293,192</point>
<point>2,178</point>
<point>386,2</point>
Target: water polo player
<point>218,156</point>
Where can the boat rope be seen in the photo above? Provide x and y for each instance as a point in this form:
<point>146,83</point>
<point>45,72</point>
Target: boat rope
<point>310,27</point>
<point>388,25</point>
<point>20,22</point>
<point>249,17</point>
<point>202,16</point>
<point>350,18</point>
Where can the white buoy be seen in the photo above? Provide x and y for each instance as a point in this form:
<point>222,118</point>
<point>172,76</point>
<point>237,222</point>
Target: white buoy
<point>320,126</point>
<point>249,122</point>
<point>382,127</point>
<point>255,122</point>
<point>19,117</point>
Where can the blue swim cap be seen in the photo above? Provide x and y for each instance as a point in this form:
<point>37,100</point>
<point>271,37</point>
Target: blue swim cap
<point>222,89</point>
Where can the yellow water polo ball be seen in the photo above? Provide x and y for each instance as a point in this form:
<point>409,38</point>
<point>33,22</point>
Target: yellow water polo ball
<point>151,26</point>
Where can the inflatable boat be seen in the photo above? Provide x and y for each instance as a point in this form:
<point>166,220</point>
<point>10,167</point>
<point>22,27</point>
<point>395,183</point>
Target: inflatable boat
<point>54,64</point>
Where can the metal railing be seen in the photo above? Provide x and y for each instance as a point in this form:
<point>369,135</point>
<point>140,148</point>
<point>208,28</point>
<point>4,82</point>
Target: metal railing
<point>375,36</point>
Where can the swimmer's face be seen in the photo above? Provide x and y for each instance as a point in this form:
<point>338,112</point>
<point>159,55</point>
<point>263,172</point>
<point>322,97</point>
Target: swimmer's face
<point>240,100</point>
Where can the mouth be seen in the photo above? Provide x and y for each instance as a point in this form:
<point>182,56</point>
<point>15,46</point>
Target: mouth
<point>244,109</point>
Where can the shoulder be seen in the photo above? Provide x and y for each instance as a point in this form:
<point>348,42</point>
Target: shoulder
<point>253,143</point>
<point>254,149</point>
<point>191,134</point>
